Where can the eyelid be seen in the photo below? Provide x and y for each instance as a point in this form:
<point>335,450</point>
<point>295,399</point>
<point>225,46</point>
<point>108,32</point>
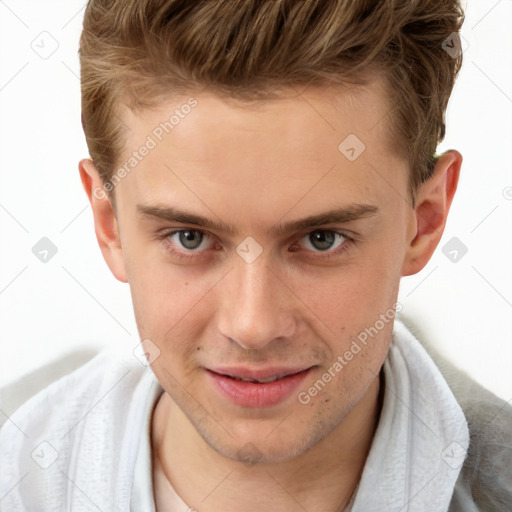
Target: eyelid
<point>335,233</point>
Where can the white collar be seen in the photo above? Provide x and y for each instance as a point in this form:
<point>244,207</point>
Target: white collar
<point>421,439</point>
<point>418,448</point>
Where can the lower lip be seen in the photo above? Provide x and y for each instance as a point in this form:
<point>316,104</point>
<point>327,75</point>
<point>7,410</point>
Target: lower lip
<point>254,394</point>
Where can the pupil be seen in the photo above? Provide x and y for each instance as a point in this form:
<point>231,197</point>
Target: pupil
<point>322,240</point>
<point>191,239</point>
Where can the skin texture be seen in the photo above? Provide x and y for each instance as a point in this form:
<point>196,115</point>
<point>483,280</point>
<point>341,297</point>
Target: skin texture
<point>254,168</point>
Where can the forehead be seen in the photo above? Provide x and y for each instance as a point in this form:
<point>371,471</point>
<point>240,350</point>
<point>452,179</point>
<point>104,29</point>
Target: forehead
<point>322,144</point>
<point>306,113</point>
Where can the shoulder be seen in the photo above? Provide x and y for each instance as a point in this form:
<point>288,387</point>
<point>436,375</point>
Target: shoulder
<point>485,481</point>
<point>486,476</point>
<point>70,422</point>
<point>63,400</point>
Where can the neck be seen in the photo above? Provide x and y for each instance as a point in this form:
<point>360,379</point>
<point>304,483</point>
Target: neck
<point>324,477</point>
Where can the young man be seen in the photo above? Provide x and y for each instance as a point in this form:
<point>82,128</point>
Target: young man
<point>262,174</point>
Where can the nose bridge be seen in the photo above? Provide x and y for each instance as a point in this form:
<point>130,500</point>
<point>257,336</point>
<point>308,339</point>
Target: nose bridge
<point>255,311</point>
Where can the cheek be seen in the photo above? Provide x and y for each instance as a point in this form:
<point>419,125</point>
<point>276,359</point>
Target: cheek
<point>173,307</point>
<point>175,322</point>
<point>163,292</point>
<point>165,306</point>
<point>351,295</point>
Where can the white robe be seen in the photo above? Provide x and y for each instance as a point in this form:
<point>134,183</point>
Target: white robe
<point>78,444</point>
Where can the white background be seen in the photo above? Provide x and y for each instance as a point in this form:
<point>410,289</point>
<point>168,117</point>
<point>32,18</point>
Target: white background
<point>50,309</point>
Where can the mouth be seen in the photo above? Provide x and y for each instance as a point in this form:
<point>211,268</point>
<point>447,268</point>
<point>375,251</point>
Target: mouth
<point>257,387</point>
<point>263,375</point>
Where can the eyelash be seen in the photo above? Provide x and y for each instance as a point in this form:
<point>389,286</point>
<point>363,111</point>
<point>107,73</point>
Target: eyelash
<point>189,255</point>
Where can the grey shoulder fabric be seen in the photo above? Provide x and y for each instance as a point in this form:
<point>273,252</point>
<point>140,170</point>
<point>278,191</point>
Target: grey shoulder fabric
<point>486,477</point>
<point>485,481</point>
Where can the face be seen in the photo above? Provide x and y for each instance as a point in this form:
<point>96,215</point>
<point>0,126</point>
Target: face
<point>257,244</point>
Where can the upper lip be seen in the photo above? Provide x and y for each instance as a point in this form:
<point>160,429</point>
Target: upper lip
<point>258,374</point>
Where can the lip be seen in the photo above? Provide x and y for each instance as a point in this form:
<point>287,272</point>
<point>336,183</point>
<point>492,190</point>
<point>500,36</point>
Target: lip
<point>256,394</point>
<point>257,374</point>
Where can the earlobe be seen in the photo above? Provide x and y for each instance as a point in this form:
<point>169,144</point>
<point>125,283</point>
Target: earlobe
<point>433,201</point>
<point>105,221</point>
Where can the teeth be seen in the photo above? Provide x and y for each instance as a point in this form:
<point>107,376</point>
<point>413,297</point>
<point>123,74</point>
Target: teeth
<point>261,381</point>
<point>268,379</point>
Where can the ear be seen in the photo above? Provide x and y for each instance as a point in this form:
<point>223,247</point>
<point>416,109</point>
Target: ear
<point>105,221</point>
<point>428,219</point>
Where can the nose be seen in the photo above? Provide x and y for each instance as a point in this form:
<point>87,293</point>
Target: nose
<point>256,307</point>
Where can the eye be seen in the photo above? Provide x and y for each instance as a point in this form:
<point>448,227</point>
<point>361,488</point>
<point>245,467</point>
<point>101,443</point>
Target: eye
<point>322,241</point>
<point>189,239</point>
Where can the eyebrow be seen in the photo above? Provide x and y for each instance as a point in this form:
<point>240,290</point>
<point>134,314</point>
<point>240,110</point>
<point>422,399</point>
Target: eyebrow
<point>337,215</point>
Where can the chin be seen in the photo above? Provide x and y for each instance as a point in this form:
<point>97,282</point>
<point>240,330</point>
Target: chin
<point>265,448</point>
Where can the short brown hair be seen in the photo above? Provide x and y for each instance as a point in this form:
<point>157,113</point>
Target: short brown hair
<point>135,52</point>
